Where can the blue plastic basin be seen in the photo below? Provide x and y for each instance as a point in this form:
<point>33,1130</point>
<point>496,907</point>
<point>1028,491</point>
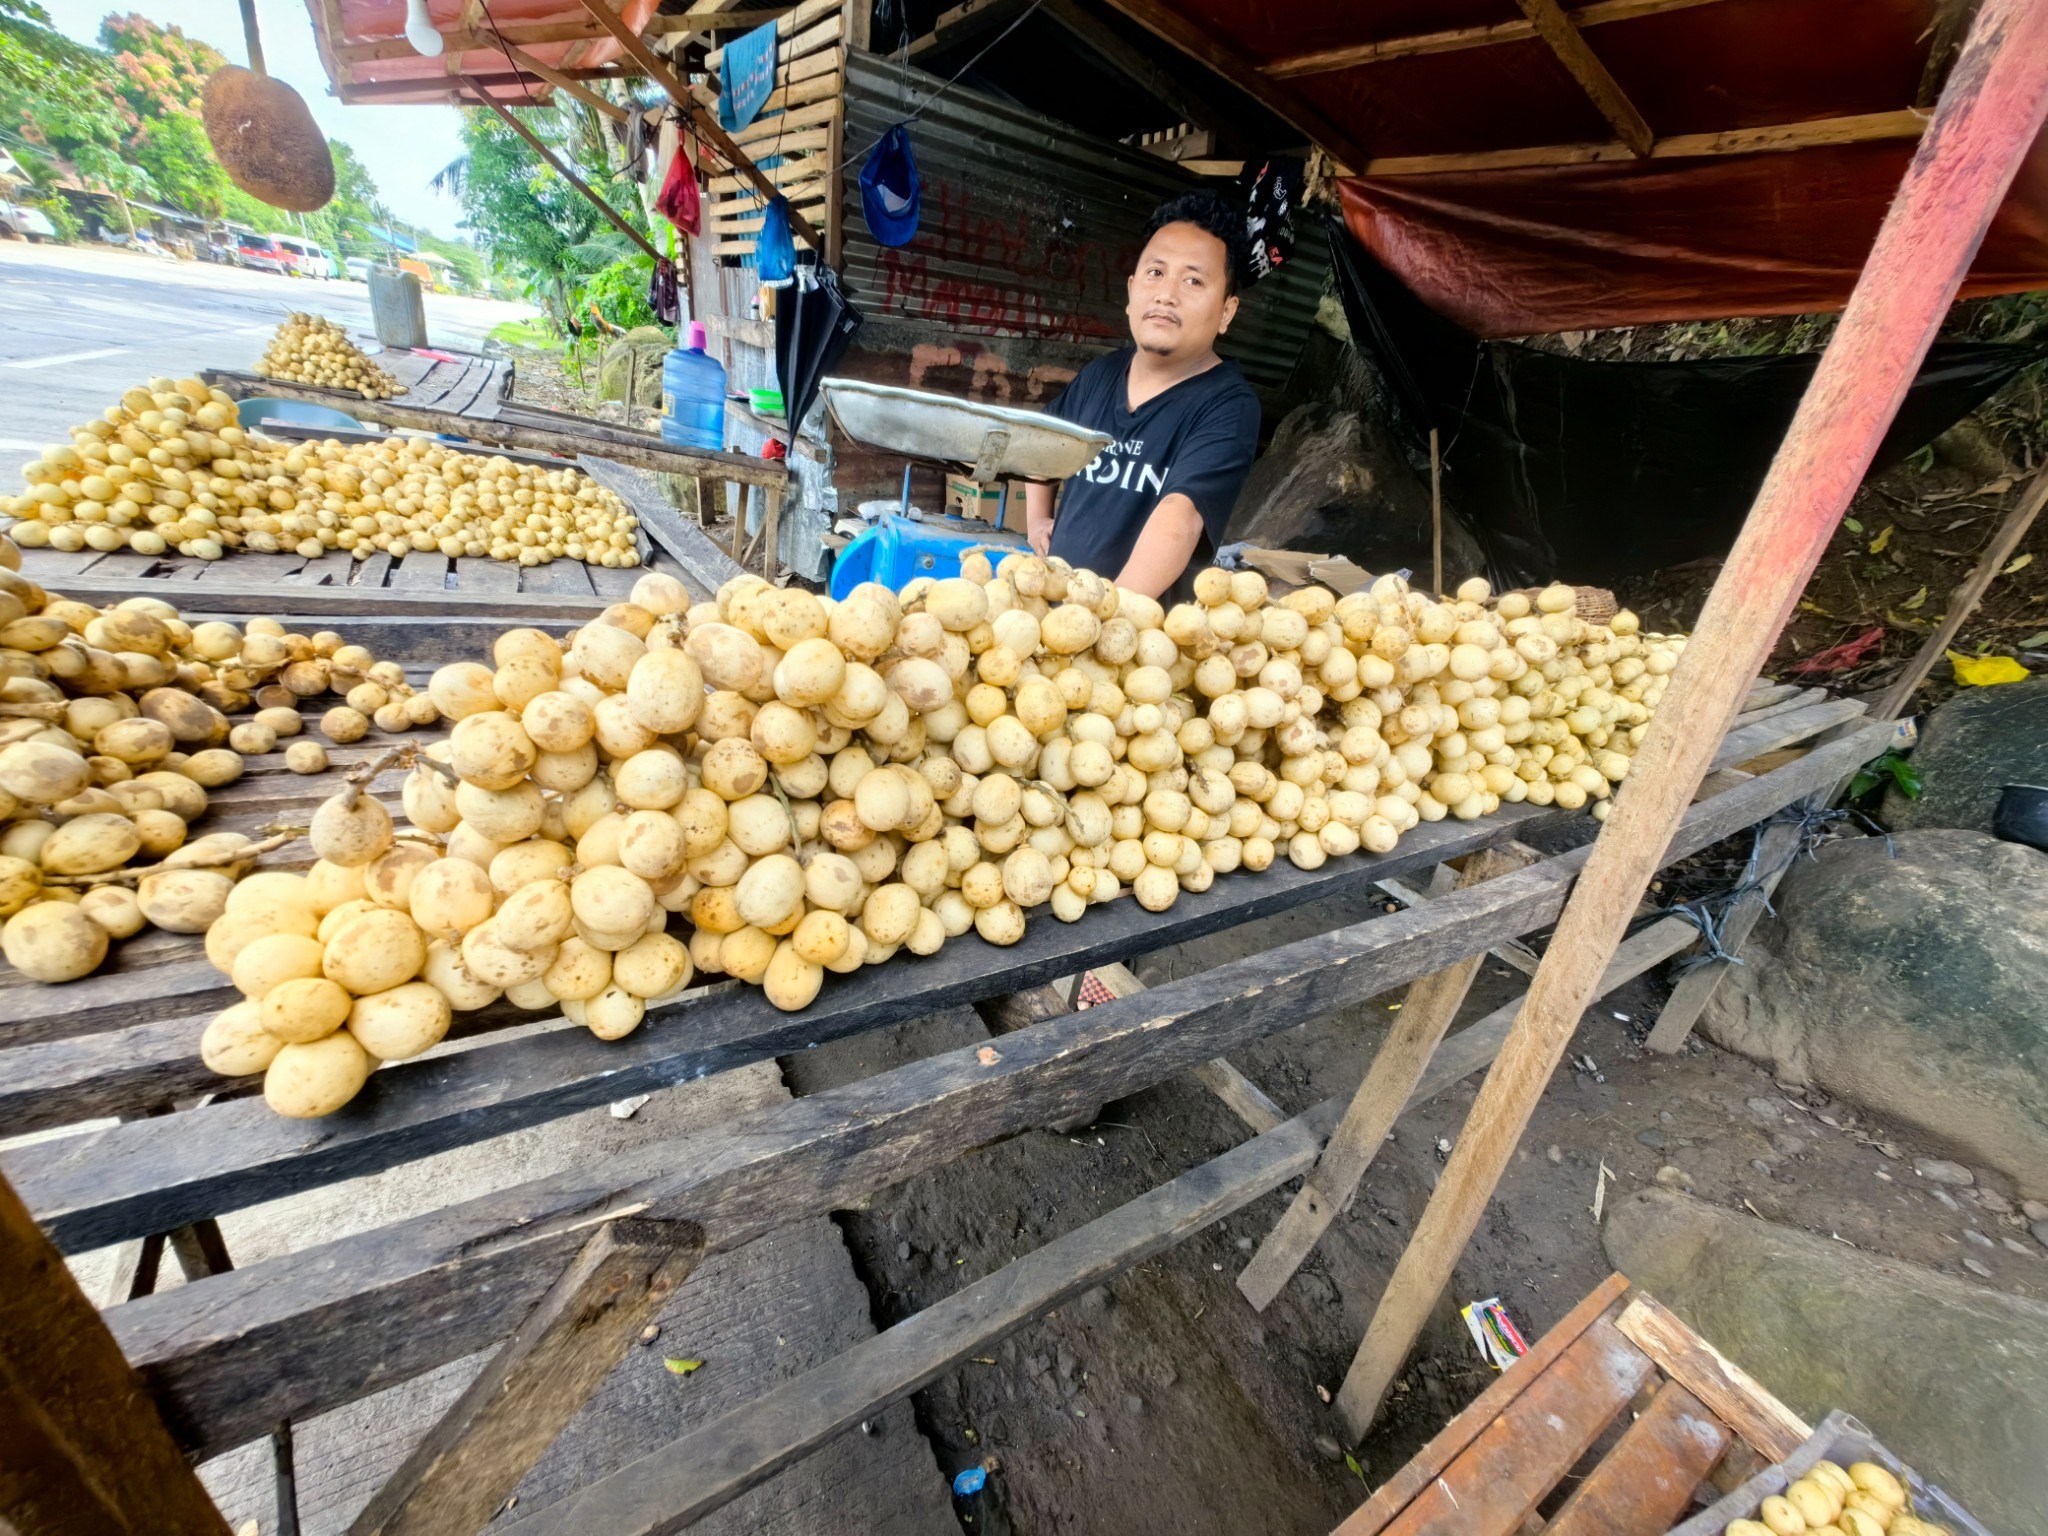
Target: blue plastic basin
<point>898,550</point>
<point>300,413</point>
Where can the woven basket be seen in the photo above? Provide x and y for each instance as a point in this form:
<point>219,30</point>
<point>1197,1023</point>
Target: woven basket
<point>1596,605</point>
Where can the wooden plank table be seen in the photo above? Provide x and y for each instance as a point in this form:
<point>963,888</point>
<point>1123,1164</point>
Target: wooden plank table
<point>231,1355</point>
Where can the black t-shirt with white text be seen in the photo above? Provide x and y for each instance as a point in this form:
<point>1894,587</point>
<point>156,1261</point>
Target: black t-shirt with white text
<point>1198,438</point>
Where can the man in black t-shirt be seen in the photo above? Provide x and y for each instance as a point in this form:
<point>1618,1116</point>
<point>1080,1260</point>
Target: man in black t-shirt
<point>1183,424</point>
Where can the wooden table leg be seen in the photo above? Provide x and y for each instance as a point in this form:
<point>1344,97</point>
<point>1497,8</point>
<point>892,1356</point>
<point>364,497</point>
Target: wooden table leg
<point>460,1475</point>
<point>85,1449</point>
<point>1431,1005</point>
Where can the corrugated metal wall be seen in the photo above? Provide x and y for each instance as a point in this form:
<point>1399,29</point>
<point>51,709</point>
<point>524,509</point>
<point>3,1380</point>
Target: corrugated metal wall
<point>1029,229</point>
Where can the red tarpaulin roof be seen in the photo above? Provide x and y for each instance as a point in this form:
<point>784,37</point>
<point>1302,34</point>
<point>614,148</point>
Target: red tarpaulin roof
<point>1489,180</point>
<point>363,42</point>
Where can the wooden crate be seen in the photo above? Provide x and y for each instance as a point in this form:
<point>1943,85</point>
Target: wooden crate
<point>230,1357</point>
<point>1691,1424</point>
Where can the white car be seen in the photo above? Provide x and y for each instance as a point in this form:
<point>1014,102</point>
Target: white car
<point>18,221</point>
<point>359,268</point>
<point>304,257</point>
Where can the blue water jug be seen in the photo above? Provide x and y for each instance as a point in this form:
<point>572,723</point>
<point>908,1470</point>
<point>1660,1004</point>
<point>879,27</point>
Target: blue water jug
<point>693,396</point>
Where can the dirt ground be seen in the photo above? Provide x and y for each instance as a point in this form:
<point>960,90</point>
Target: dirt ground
<point>1161,1401</point>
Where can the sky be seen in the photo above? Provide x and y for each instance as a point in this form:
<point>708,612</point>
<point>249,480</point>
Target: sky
<point>403,146</point>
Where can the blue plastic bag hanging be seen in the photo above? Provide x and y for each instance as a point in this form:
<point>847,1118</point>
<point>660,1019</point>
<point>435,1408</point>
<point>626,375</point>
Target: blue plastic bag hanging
<point>774,250</point>
<point>889,191</point>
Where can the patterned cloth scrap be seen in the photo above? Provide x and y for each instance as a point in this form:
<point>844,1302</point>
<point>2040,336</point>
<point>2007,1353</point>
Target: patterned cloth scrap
<point>1091,992</point>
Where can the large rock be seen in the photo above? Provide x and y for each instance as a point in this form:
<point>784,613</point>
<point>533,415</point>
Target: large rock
<point>1333,481</point>
<point>1972,747</point>
<point>1952,1377</point>
<point>636,356</point>
<point>1916,986</point>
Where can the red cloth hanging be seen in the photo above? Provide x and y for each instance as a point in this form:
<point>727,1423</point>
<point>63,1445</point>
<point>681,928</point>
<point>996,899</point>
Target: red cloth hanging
<point>678,201</point>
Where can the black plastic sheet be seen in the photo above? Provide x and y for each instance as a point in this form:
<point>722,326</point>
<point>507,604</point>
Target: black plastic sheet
<point>1567,469</point>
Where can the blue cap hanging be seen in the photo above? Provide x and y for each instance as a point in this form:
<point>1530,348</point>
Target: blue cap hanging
<point>774,250</point>
<point>889,194</point>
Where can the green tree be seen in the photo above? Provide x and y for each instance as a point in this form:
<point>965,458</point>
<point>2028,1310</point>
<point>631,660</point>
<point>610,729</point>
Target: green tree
<point>33,54</point>
<point>531,222</point>
<point>175,152</point>
<point>158,71</point>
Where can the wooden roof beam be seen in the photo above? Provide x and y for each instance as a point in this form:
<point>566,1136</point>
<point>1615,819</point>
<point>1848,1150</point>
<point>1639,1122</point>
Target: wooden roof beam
<point>561,81</point>
<point>1605,92</point>
<point>1327,60</point>
<point>1163,21</point>
<point>1147,73</point>
<point>705,121</point>
<point>612,215</point>
<point>1903,124</point>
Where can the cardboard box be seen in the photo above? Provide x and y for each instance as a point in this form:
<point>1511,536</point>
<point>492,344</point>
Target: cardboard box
<point>986,503</point>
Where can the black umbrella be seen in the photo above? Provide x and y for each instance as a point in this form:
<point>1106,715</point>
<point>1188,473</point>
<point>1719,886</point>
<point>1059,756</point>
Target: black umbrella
<point>814,321</point>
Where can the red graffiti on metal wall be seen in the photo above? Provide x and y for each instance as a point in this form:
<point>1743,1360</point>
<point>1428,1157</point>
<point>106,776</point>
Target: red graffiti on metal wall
<point>1059,286</point>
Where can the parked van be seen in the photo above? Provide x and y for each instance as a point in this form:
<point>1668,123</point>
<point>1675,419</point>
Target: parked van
<point>306,258</point>
<point>359,268</point>
<point>261,253</point>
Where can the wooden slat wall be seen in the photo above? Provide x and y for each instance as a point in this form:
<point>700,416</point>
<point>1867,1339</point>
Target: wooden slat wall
<point>801,125</point>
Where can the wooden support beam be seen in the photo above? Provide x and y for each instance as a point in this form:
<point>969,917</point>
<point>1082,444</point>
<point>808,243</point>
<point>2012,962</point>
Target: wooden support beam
<point>1987,121</point>
<point>964,23</point>
<point>1325,61</point>
<point>1397,1066</point>
<point>1689,998</point>
<point>711,19</point>
<point>670,1488</point>
<point>471,1461</point>
<point>612,215</point>
<point>1905,123</point>
<point>1198,43</point>
<point>642,450</point>
<point>705,122</point>
<point>450,88</point>
<point>85,1452</point>
<point>567,82</point>
<point>1605,92</point>
<point>1962,602</point>
<point>526,34</point>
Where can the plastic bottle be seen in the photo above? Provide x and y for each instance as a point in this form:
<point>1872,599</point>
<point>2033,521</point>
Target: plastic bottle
<point>693,396</point>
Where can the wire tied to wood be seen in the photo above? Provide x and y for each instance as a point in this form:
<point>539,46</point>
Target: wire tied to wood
<point>1710,913</point>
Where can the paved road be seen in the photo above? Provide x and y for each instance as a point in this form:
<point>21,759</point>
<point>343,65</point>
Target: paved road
<point>78,325</point>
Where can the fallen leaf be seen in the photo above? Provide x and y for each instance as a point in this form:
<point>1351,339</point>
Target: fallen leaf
<point>2018,565</point>
<point>2034,642</point>
<point>1996,487</point>
<point>1852,525</point>
<point>1877,545</point>
<point>681,1367</point>
<point>1915,600</point>
<point>1807,607</point>
<point>1985,671</point>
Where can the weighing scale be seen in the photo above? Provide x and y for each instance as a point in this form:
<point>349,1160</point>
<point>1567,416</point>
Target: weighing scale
<point>990,443</point>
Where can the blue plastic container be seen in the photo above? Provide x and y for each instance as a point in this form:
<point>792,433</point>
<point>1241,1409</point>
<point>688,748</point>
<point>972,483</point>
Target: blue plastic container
<point>693,396</point>
<point>898,550</point>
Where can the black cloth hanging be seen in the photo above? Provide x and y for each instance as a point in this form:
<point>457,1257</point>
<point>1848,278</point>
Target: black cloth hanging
<point>1568,469</point>
<point>814,321</point>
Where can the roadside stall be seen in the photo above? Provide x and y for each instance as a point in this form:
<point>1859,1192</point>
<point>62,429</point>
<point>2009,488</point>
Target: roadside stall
<point>177,1030</point>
